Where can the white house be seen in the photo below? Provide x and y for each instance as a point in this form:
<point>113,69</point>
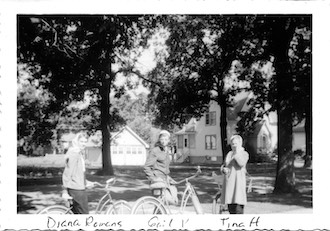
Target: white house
<point>264,137</point>
<point>127,148</point>
<point>199,141</point>
<point>299,137</point>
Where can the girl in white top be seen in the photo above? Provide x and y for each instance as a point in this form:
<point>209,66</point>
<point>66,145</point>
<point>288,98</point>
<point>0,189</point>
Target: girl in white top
<point>234,184</point>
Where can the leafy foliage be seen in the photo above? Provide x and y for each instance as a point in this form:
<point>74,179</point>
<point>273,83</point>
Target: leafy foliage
<point>35,123</point>
<point>77,54</point>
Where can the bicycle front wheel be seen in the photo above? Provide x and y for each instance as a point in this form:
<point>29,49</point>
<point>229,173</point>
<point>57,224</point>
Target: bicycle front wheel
<point>119,207</point>
<point>56,209</point>
<point>149,205</point>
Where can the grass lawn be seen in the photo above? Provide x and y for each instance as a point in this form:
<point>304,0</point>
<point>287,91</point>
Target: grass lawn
<point>39,185</point>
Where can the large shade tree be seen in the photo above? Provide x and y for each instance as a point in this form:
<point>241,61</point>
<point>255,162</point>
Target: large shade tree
<point>200,55</point>
<point>34,120</point>
<point>290,79</point>
<point>286,43</point>
<point>78,54</point>
<point>205,50</point>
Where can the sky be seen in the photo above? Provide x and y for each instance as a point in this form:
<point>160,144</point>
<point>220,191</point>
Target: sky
<point>146,62</point>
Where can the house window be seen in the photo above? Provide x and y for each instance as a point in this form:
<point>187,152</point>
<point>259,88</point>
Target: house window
<point>192,140</point>
<point>210,118</point>
<point>210,142</point>
<point>185,142</point>
<point>120,150</point>
<point>114,150</point>
<point>180,141</point>
<point>133,150</point>
<point>264,141</point>
<point>128,150</point>
<point>139,151</point>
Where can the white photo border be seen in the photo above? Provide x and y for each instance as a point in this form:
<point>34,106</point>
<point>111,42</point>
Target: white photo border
<point>9,219</point>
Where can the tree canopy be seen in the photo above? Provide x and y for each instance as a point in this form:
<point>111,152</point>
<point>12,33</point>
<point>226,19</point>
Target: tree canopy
<point>80,53</point>
<point>208,57</point>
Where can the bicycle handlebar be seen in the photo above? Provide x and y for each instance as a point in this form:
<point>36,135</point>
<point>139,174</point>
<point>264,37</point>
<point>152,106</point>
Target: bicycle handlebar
<point>199,171</point>
<point>98,184</point>
<point>109,182</point>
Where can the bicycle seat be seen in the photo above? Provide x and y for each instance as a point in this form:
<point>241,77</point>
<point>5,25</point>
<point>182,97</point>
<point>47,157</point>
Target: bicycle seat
<point>157,191</point>
<point>158,185</point>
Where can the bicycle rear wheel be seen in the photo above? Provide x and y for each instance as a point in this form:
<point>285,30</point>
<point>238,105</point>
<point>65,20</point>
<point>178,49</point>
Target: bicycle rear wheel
<point>56,209</point>
<point>149,205</point>
<point>119,207</point>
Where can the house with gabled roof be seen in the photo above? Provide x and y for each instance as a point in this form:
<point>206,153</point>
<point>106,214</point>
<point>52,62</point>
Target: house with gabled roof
<point>126,148</point>
<point>199,141</point>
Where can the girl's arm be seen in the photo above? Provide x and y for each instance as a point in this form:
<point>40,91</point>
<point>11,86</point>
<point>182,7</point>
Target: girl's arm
<point>241,158</point>
<point>223,167</point>
<point>148,167</point>
<point>70,164</point>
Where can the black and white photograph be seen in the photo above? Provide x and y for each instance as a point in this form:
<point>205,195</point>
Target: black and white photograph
<point>165,115</point>
<point>97,93</point>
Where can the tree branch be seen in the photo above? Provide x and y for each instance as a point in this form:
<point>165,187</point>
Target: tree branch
<point>56,42</point>
<point>136,72</point>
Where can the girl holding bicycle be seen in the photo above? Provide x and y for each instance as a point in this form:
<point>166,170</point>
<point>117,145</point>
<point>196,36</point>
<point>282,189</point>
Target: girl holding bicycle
<point>234,185</point>
<point>157,166</point>
<point>74,181</point>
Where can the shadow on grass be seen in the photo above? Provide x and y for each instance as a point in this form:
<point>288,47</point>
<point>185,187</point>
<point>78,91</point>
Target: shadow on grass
<point>23,203</point>
<point>35,193</point>
<point>301,198</point>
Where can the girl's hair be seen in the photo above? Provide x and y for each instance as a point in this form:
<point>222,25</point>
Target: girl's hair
<point>164,133</point>
<point>78,136</point>
<point>238,138</point>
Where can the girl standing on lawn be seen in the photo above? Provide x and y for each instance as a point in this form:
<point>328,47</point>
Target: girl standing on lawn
<point>234,184</point>
<point>74,181</point>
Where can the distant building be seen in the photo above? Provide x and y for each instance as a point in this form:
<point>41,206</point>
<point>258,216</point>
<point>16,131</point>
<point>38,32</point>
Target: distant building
<point>263,139</point>
<point>299,137</point>
<point>127,148</point>
<point>199,141</point>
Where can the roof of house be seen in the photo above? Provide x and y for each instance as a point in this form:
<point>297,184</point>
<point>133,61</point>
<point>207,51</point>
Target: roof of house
<point>257,127</point>
<point>132,133</point>
<point>240,104</point>
<point>95,140</point>
<point>188,128</point>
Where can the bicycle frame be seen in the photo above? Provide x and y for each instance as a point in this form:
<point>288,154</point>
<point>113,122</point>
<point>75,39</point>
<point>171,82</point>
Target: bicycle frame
<point>189,192</point>
<point>105,200</point>
<point>101,205</point>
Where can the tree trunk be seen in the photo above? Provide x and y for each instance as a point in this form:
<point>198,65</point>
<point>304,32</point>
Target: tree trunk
<point>223,125</point>
<point>282,35</point>
<point>107,168</point>
<point>285,178</point>
<point>308,132</point>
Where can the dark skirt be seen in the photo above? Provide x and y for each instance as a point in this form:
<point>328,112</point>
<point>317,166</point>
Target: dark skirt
<point>80,201</point>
